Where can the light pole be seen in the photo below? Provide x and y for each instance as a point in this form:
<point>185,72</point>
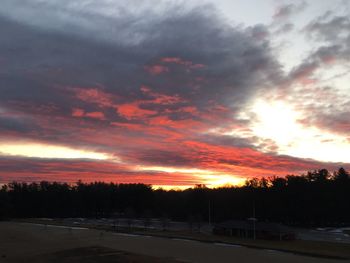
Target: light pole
<point>209,213</point>
<point>253,219</point>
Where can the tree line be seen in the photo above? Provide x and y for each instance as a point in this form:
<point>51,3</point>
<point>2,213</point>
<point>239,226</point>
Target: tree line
<point>317,198</point>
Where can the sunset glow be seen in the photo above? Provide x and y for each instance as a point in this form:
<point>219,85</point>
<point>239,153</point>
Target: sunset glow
<point>173,94</point>
<point>206,177</point>
<point>48,151</point>
<point>280,123</point>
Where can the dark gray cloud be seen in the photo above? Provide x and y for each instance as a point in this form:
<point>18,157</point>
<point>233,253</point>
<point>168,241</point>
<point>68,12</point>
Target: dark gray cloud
<point>165,158</point>
<point>52,48</point>
<point>16,125</point>
<point>54,56</point>
<point>229,141</point>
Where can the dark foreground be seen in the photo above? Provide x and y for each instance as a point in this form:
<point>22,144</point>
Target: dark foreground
<point>23,242</point>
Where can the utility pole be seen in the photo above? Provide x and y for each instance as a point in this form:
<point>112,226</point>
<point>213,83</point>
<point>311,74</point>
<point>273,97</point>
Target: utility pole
<point>209,213</point>
<point>254,221</point>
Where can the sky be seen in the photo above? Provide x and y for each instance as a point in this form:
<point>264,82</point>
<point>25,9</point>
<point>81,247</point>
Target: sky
<point>173,93</point>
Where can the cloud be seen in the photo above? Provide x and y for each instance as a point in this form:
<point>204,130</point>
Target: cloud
<point>324,105</point>
<point>156,69</point>
<point>334,32</point>
<point>146,84</point>
<point>178,166</point>
<point>198,36</point>
<point>201,51</point>
<point>283,17</point>
<point>94,115</point>
<point>133,110</point>
<point>328,27</point>
<point>36,169</point>
<point>285,28</point>
<point>331,36</point>
<point>329,112</point>
<point>15,125</point>
<point>287,10</point>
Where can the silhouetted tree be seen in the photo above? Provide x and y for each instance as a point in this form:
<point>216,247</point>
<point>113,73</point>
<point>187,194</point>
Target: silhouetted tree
<point>315,198</point>
<point>342,175</point>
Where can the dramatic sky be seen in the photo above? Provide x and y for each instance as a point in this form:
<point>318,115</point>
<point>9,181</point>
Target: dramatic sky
<point>173,93</point>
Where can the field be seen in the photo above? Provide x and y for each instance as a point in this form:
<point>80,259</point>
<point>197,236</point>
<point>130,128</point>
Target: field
<point>25,242</point>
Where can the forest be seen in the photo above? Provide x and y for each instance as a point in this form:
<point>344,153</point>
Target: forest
<point>317,198</point>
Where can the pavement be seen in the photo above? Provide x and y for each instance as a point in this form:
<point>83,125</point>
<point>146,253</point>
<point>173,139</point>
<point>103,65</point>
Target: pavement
<point>19,241</point>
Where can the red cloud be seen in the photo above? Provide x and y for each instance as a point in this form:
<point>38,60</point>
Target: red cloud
<point>158,98</point>
<point>172,60</point>
<point>133,111</point>
<point>81,113</point>
<point>179,124</point>
<point>95,95</point>
<point>78,113</point>
<point>180,61</point>
<point>95,115</point>
<point>156,69</point>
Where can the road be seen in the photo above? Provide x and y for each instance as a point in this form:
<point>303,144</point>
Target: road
<point>19,241</point>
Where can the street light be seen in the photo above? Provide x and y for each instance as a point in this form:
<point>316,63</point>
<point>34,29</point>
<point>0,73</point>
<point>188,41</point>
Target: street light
<point>253,219</point>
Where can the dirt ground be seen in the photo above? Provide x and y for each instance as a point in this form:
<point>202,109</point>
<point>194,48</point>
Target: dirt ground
<point>23,242</point>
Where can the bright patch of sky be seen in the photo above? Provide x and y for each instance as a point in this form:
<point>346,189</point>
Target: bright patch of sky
<point>279,121</point>
<point>38,150</point>
<point>208,177</point>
